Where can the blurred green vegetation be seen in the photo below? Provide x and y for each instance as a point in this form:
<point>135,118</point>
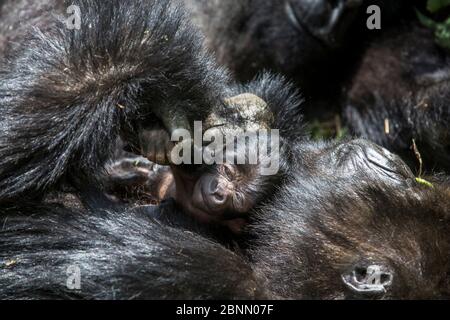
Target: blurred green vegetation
<point>441,28</point>
<point>436,5</point>
<point>330,129</point>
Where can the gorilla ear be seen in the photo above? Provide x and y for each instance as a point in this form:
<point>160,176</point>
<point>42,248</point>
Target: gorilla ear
<point>369,279</point>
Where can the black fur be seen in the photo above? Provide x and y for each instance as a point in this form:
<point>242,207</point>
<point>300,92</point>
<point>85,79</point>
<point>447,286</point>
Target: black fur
<point>66,95</point>
<point>121,255</point>
<point>348,206</point>
<point>345,207</point>
<point>404,78</point>
<point>291,38</point>
<point>401,77</point>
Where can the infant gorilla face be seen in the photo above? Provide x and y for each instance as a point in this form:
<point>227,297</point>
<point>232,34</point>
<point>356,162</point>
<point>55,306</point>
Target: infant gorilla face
<point>219,192</point>
<point>225,191</point>
<point>222,194</point>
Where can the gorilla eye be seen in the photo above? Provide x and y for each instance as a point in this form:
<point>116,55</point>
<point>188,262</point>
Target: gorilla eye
<point>229,172</point>
<point>238,200</point>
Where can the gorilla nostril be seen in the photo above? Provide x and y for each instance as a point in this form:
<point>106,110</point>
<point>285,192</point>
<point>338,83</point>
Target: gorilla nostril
<point>213,186</point>
<point>219,198</point>
<point>215,193</point>
<point>385,278</point>
<point>360,273</point>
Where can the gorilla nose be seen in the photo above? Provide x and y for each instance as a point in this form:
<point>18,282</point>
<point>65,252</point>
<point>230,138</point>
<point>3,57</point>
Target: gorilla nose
<point>213,186</point>
<point>216,194</point>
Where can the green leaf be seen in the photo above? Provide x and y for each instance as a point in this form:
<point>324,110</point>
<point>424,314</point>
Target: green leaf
<point>427,22</point>
<point>442,34</point>
<point>436,5</point>
<point>424,182</point>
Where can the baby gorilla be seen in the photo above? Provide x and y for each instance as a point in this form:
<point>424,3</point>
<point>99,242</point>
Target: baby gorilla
<point>67,95</point>
<point>224,192</point>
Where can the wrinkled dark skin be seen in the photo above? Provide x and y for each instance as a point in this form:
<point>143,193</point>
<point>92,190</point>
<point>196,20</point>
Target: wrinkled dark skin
<point>353,223</point>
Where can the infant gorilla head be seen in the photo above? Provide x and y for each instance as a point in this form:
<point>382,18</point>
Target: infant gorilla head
<point>245,173</point>
<point>223,192</point>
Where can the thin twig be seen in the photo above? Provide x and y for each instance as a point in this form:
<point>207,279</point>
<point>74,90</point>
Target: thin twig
<point>418,156</point>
